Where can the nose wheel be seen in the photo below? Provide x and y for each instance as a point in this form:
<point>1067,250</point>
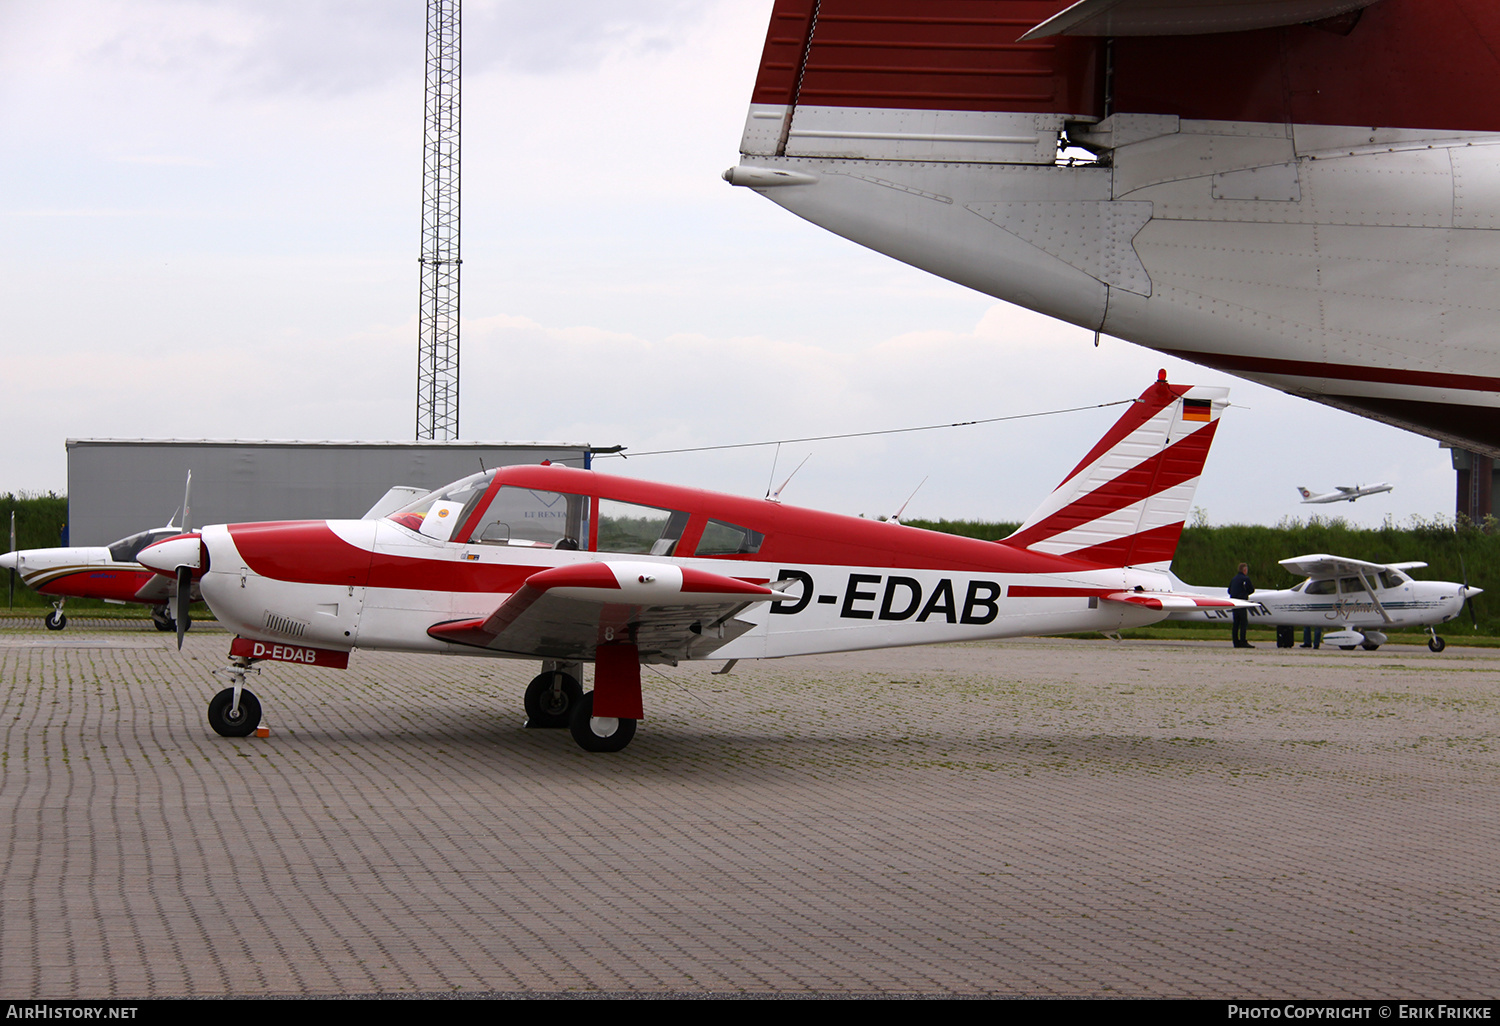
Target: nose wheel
<point>1435,643</point>
<point>235,711</point>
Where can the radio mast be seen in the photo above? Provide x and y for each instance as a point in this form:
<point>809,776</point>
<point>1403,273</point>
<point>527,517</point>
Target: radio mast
<point>437,321</point>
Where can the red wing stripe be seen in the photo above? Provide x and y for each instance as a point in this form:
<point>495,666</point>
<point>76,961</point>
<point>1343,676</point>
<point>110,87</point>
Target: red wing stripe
<point>1152,401</point>
<point>1182,461</point>
<point>706,583</point>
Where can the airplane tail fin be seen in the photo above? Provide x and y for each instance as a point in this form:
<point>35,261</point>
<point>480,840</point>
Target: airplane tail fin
<point>1126,501</point>
<point>1305,493</point>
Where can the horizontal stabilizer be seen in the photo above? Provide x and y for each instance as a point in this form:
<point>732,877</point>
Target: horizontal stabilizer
<point>1173,601</point>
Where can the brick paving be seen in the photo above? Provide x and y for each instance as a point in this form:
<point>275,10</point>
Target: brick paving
<point>1039,818</point>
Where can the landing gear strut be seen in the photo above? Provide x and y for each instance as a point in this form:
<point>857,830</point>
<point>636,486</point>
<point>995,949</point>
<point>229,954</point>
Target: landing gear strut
<point>162,620</point>
<point>1435,643</point>
<point>55,620</point>
<point>235,711</point>
<point>551,697</point>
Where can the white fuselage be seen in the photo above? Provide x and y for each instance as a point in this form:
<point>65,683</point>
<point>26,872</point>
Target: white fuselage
<point>846,608</point>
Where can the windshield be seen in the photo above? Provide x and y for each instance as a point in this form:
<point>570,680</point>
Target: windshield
<point>126,549</point>
<point>465,492</point>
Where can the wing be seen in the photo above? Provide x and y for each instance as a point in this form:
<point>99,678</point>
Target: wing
<point>1320,565</point>
<point>668,612</point>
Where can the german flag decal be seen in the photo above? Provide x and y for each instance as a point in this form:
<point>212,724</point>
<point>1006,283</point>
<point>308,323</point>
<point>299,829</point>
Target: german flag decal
<point>1197,409</point>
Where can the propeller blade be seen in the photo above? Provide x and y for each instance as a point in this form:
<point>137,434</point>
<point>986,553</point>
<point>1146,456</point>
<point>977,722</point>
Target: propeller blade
<point>1468,604</point>
<point>187,509</point>
<point>12,600</point>
<point>181,600</point>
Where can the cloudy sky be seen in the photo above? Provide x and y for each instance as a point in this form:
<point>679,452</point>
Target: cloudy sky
<point>210,217</point>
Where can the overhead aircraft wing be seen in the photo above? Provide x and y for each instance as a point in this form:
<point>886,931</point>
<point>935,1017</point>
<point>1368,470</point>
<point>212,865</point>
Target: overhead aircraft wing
<point>1406,566</point>
<point>668,612</point>
<point>1185,17</point>
<point>1323,565</point>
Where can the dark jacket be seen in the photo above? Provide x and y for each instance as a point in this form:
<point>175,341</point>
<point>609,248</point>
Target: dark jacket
<point>1240,587</point>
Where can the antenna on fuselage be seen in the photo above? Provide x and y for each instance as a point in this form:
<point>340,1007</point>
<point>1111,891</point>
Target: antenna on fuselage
<point>776,495</point>
<point>895,517</point>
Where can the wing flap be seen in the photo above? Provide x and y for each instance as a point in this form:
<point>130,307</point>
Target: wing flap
<point>1185,17</point>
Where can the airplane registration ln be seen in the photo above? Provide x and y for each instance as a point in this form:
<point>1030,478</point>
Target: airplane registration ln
<point>571,566</point>
<point>1305,193</point>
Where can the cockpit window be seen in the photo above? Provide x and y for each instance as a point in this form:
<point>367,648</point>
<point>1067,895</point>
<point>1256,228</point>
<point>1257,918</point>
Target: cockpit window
<point>538,519</point>
<point>1327,586</point>
<point>1350,585</point>
<point>1391,579</point>
<point>467,492</point>
<point>126,549</point>
<point>723,539</point>
<point>627,527</point>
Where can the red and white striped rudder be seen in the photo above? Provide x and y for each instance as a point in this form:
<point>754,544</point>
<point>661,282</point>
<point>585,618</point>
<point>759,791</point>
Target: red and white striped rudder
<point>1126,501</point>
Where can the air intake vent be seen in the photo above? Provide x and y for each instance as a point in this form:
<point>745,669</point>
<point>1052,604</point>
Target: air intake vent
<point>278,624</point>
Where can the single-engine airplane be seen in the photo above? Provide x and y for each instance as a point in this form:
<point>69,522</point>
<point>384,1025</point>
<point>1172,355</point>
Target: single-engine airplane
<point>108,572</point>
<point>1344,493</point>
<point>1300,192</point>
<point>571,566</point>
<point>1355,601</point>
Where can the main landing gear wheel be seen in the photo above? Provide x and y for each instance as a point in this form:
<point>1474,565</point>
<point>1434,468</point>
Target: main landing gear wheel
<point>55,620</point>
<point>599,733</point>
<point>550,698</point>
<point>1369,647</point>
<point>240,724</point>
<point>163,625</point>
<point>1437,644</point>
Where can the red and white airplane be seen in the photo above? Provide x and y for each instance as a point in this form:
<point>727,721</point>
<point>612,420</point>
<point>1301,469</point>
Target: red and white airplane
<point>571,566</point>
<point>106,572</point>
<point>1305,193</point>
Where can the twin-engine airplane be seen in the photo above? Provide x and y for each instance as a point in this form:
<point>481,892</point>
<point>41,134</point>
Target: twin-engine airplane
<point>570,566</point>
<point>1355,600</point>
<point>108,572</point>
<point>1305,193</point>
<point>1344,493</point>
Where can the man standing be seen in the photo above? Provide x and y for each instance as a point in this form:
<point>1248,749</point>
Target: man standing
<point>1241,588</point>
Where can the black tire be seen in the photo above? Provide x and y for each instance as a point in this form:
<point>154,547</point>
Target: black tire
<point>1437,644</point>
<point>242,725</point>
<point>55,620</point>
<point>1347,648</point>
<point>164,626</point>
<point>1369,647</point>
<point>543,708</point>
<point>585,728</point>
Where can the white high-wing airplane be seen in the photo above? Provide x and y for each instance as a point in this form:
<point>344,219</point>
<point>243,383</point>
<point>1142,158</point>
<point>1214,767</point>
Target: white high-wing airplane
<point>1344,493</point>
<point>570,566</point>
<point>1305,193</point>
<point>1355,601</point>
